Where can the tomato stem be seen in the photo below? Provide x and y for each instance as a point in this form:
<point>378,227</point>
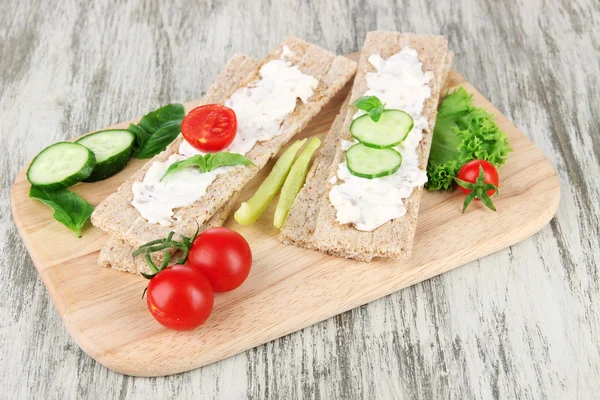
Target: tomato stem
<point>163,245</point>
<point>478,190</point>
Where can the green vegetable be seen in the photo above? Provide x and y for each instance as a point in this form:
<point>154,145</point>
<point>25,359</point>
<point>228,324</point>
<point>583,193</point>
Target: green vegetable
<point>141,137</point>
<point>463,133</point>
<point>155,120</point>
<point>156,130</point>
<point>367,162</point>
<point>159,140</point>
<point>293,182</point>
<point>372,105</point>
<point>391,130</point>
<point>61,165</point>
<point>252,209</point>
<point>69,209</point>
<point>209,161</point>
<point>112,149</point>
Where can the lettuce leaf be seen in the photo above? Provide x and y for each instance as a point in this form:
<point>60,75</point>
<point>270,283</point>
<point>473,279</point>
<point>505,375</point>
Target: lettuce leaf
<point>463,133</point>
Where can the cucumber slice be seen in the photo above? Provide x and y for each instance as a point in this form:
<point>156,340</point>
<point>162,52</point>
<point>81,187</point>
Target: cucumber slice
<point>391,129</point>
<point>367,162</point>
<point>112,149</point>
<point>61,165</point>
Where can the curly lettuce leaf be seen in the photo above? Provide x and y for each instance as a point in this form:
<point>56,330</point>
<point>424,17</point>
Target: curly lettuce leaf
<point>463,133</point>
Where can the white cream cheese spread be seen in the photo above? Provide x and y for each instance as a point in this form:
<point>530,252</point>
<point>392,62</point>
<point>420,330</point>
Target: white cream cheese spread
<point>400,83</point>
<point>260,108</point>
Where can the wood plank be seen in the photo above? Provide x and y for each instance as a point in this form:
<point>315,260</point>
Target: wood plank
<point>289,288</point>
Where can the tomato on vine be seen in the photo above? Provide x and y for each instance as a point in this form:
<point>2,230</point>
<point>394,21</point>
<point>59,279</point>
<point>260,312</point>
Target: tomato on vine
<point>181,296</point>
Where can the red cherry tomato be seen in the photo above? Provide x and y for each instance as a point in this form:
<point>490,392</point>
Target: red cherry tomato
<point>470,171</point>
<point>180,297</point>
<point>209,128</point>
<point>224,256</point>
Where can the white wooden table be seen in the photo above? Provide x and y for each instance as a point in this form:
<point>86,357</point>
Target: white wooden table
<point>523,323</point>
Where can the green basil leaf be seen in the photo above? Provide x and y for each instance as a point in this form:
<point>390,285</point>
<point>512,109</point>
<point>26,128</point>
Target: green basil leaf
<point>367,103</point>
<point>155,120</point>
<point>194,161</point>
<point>156,130</point>
<point>209,161</point>
<point>224,159</point>
<point>140,135</point>
<point>159,140</point>
<point>375,113</point>
<point>69,209</point>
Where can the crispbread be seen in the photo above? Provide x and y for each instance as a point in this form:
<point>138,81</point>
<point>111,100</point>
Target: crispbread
<point>117,253</point>
<point>117,216</point>
<point>395,238</point>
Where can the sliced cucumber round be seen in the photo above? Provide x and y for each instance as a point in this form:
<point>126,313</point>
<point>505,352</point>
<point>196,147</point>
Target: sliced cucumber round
<point>391,129</point>
<point>61,165</point>
<point>367,162</point>
<point>112,149</point>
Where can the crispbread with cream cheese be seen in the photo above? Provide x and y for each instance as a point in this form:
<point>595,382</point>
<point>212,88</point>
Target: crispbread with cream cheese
<point>395,238</point>
<point>116,253</point>
<point>118,217</point>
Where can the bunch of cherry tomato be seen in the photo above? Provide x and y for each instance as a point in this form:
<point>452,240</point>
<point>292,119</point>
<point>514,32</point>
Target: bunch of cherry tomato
<point>181,297</point>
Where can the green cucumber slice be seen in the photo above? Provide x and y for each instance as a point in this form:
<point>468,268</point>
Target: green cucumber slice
<point>391,129</point>
<point>367,162</point>
<point>112,149</point>
<point>61,165</point>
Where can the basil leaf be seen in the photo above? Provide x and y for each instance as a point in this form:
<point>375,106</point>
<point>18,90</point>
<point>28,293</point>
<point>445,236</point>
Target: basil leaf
<point>224,159</point>
<point>140,135</point>
<point>209,161</point>
<point>367,103</point>
<point>69,209</point>
<point>156,130</point>
<point>159,140</point>
<point>375,113</point>
<point>194,161</point>
<point>155,120</point>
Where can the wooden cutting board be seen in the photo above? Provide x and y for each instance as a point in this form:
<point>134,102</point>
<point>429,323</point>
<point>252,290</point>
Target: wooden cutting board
<point>289,288</point>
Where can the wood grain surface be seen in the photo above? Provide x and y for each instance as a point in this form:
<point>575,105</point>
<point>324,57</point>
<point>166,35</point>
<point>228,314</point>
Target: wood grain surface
<point>523,323</point>
<point>288,288</point>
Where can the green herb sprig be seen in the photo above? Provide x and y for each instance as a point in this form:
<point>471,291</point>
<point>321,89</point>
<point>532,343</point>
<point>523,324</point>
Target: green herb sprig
<point>209,161</point>
<point>164,245</point>
<point>370,104</point>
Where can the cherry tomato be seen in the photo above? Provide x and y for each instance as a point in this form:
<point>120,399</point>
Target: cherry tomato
<point>470,171</point>
<point>209,128</point>
<point>224,256</point>
<point>180,297</point>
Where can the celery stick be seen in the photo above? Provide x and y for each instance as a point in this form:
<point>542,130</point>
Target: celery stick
<point>252,209</point>
<point>294,182</point>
